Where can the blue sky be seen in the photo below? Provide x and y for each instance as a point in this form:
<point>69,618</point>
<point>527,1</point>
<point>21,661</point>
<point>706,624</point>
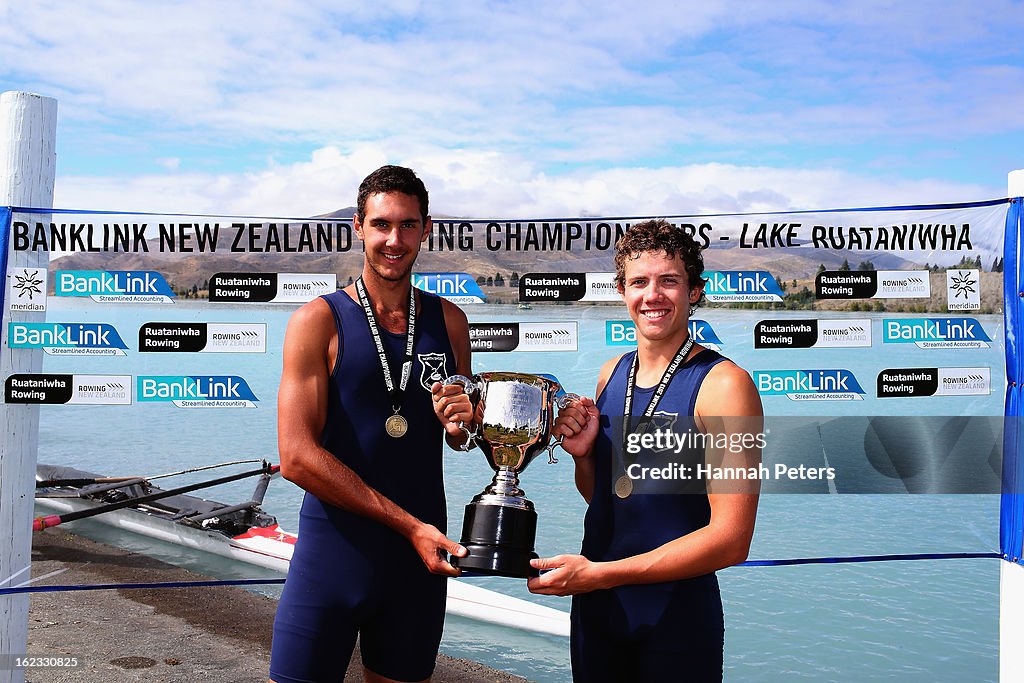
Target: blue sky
<point>525,108</point>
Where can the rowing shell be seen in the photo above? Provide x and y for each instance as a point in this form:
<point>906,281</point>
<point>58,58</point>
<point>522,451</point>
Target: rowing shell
<point>271,547</point>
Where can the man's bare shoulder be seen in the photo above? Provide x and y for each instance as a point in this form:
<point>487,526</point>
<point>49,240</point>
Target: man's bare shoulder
<point>312,313</point>
<point>728,390</point>
<point>311,322</point>
<point>606,372</point>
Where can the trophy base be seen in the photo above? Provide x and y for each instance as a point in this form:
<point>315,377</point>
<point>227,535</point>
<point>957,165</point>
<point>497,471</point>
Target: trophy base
<point>500,541</point>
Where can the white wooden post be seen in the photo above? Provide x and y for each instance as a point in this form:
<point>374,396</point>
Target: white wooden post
<point>1011,574</point>
<point>28,133</point>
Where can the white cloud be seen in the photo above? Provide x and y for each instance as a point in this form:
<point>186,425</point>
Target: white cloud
<point>485,184</point>
<point>582,81</point>
<point>170,163</point>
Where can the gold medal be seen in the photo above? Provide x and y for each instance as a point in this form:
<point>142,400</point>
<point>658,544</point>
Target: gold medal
<point>396,426</point>
<point>623,486</point>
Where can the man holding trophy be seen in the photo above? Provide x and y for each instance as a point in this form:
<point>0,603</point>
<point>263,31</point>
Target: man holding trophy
<point>360,431</point>
<point>646,603</point>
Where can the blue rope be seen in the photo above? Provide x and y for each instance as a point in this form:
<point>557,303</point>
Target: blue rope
<point>257,582</point>
<point>119,586</point>
<point>869,558</point>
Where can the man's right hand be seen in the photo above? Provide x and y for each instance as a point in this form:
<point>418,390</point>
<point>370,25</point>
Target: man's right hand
<point>578,424</point>
<point>430,543</point>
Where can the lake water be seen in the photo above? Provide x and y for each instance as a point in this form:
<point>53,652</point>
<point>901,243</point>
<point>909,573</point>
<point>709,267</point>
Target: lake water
<point>898,621</point>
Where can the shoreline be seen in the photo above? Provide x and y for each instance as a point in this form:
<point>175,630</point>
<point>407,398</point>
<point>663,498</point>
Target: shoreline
<point>218,634</point>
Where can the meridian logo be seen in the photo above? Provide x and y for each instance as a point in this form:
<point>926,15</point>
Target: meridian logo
<point>99,339</point>
<point>937,333</point>
<point>623,333</point>
<point>114,286</point>
<point>190,391</point>
<point>813,385</point>
<point>963,289</point>
<point>741,285</point>
<point>28,289</point>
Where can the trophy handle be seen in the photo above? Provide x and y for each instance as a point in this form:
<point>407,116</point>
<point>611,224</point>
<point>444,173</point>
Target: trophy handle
<point>563,401</point>
<point>468,387</point>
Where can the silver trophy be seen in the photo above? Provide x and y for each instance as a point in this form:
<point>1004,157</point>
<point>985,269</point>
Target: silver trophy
<point>513,416</point>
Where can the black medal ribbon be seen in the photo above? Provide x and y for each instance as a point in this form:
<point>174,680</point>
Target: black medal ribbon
<point>396,425</point>
<point>624,485</point>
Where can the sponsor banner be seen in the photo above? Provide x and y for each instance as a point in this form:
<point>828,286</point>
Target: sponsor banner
<point>288,288</point>
<point>27,289</point>
<point>67,339</point>
<point>963,289</point>
<point>936,333</point>
<point>69,389</point>
<point>459,288</point>
<point>601,287</point>
<point>623,333</point>
<point>872,284</point>
<point>812,333</point>
<point>203,337</point>
<point>539,336</point>
<point>114,286</point>
<point>741,285</point>
<point>196,391</point>
<point>939,234</point>
<point>553,287</point>
<point>934,382</point>
<point>809,385</point>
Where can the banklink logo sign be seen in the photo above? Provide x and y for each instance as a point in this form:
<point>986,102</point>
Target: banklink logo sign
<point>69,389</point>
<point>937,333</point>
<point>203,337</point>
<point>741,285</point>
<point>623,333</point>
<point>459,288</point>
<point>812,333</point>
<point>809,385</point>
<point>278,288</point>
<point>67,339</point>
<point>934,382</point>
<point>114,286</point>
<point>872,284</point>
<point>193,391</point>
<point>536,336</point>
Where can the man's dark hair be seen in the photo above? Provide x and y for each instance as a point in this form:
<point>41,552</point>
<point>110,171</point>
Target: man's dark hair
<point>392,179</point>
<point>660,235</point>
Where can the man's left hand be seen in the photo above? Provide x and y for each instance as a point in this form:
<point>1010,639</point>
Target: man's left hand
<point>565,575</point>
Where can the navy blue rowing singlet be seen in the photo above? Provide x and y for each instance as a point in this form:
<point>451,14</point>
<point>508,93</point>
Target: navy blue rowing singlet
<point>645,632</point>
<point>407,470</point>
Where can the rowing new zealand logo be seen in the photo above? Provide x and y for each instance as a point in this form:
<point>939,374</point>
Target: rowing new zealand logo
<point>434,369</point>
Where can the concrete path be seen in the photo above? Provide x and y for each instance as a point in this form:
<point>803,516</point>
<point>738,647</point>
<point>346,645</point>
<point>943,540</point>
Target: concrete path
<point>210,635</point>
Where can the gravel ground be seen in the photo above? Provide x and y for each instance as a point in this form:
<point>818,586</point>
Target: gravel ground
<point>212,635</point>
